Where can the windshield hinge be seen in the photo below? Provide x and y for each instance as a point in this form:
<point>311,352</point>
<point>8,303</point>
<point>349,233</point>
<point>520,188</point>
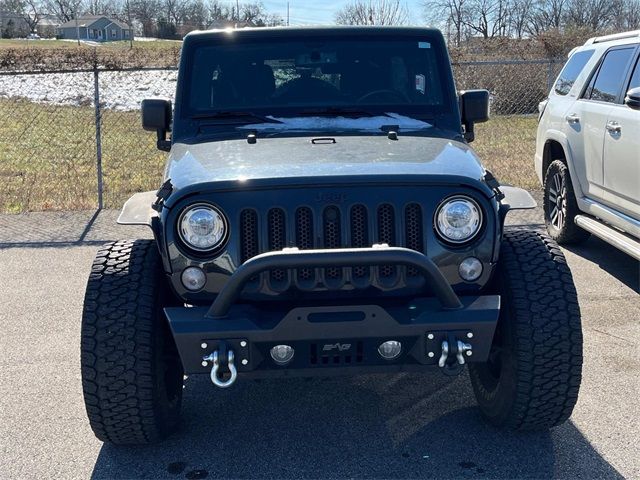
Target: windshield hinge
<point>162,194</point>
<point>493,184</point>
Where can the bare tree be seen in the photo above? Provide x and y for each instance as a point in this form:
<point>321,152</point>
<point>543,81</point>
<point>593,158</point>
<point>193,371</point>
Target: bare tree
<point>197,14</point>
<point>596,15</point>
<point>102,7</point>
<point>255,14</point>
<point>218,12</point>
<point>626,15</point>
<point>174,11</point>
<point>488,18</point>
<point>146,12</point>
<point>455,13</point>
<point>63,10</point>
<point>29,10</point>
<point>373,12</point>
<point>520,17</point>
<point>546,15</point>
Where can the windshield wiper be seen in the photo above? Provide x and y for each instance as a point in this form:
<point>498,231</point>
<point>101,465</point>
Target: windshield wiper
<point>235,117</point>
<point>339,111</point>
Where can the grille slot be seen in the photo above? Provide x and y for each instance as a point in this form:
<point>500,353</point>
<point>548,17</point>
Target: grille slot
<point>277,239</point>
<point>359,235</point>
<point>386,234</point>
<point>249,226</point>
<point>414,236</point>
<point>332,237</point>
<point>304,238</point>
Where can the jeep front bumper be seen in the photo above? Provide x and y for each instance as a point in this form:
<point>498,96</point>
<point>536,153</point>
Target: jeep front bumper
<point>335,338</point>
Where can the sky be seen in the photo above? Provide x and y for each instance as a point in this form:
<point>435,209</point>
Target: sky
<point>317,12</point>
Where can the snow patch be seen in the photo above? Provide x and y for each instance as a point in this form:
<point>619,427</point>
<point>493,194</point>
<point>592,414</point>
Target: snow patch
<point>118,90</point>
<point>340,123</point>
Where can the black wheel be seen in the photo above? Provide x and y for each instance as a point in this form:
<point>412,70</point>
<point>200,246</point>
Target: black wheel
<point>560,207</point>
<point>132,375</point>
<point>533,375</point>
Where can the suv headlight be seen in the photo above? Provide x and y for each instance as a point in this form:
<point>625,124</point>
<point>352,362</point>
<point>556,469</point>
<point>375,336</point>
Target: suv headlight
<point>202,227</point>
<point>458,219</point>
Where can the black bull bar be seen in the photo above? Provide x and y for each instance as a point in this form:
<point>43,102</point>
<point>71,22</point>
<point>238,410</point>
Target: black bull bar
<point>421,324</point>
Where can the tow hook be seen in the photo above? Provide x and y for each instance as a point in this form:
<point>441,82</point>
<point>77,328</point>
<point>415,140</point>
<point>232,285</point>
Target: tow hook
<point>452,356</point>
<point>215,378</point>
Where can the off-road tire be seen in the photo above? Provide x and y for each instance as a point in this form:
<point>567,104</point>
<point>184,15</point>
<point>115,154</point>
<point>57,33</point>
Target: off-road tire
<point>132,376</point>
<point>532,379</point>
<point>562,229</point>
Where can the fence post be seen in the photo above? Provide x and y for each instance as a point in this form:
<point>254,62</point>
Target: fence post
<point>98,115</point>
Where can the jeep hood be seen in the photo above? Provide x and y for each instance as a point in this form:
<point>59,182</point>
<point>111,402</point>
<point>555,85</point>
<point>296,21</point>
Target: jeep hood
<point>297,157</point>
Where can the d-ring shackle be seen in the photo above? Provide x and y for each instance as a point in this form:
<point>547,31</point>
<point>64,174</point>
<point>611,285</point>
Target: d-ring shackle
<point>216,366</point>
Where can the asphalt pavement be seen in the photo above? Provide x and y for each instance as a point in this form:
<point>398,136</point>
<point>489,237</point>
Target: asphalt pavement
<point>382,426</point>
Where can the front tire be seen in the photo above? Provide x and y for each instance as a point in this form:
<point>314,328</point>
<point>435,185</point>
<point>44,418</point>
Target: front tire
<point>560,206</point>
<point>132,376</point>
<point>533,375</point>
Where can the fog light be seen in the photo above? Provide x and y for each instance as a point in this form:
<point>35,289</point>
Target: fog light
<point>193,278</point>
<point>390,349</point>
<point>282,354</point>
<point>470,269</point>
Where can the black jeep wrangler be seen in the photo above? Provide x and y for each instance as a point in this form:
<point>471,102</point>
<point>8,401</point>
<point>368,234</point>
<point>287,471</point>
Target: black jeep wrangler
<point>322,213</point>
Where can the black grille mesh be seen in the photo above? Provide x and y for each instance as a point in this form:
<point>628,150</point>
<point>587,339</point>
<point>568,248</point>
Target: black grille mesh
<point>249,226</point>
<point>413,232</point>
<point>277,239</point>
<point>304,237</point>
<point>332,236</point>
<point>359,235</point>
<point>386,234</point>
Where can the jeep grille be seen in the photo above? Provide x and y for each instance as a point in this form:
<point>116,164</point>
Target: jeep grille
<point>332,227</point>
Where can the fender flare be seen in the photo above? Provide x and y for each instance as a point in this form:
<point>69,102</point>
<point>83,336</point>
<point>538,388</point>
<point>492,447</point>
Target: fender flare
<point>516,199</point>
<point>138,210</point>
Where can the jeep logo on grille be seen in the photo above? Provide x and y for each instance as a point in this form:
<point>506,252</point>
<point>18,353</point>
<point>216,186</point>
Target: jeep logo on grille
<point>331,198</point>
<point>341,347</point>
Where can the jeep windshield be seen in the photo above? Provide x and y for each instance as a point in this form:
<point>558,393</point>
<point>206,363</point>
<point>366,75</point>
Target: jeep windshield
<point>253,79</point>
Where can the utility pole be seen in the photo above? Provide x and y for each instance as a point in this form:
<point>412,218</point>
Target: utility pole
<point>130,24</point>
<point>287,14</point>
<point>77,26</point>
<point>238,11</point>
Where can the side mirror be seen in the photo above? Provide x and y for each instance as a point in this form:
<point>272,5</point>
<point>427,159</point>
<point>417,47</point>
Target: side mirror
<point>156,116</point>
<point>474,108</point>
<point>632,99</point>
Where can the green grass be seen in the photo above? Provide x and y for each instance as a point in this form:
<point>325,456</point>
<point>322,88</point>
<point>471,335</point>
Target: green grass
<point>48,155</point>
<point>507,145</point>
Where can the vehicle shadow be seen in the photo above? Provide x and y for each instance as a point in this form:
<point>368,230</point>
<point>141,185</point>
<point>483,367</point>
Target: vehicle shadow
<point>65,229</point>
<point>618,264</point>
<point>373,426</point>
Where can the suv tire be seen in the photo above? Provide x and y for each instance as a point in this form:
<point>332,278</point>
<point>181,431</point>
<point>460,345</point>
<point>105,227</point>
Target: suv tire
<point>132,376</point>
<point>533,375</point>
<point>560,206</point>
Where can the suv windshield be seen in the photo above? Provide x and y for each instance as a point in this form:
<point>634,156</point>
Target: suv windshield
<point>306,75</point>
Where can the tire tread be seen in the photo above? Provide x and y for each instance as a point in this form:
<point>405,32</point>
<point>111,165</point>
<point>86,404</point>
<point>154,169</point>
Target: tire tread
<point>118,343</point>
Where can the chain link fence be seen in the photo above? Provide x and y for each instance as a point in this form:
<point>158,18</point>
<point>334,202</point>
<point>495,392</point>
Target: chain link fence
<point>72,139</point>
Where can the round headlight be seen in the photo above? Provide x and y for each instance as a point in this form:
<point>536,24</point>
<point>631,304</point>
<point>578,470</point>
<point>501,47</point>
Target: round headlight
<point>458,219</point>
<point>202,227</point>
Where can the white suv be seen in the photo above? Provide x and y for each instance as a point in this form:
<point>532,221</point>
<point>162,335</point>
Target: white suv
<point>588,145</point>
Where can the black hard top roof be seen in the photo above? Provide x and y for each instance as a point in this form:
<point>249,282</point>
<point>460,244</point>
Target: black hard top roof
<point>323,31</point>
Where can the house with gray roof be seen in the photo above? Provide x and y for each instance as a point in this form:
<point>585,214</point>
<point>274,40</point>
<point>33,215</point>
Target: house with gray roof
<point>97,28</point>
